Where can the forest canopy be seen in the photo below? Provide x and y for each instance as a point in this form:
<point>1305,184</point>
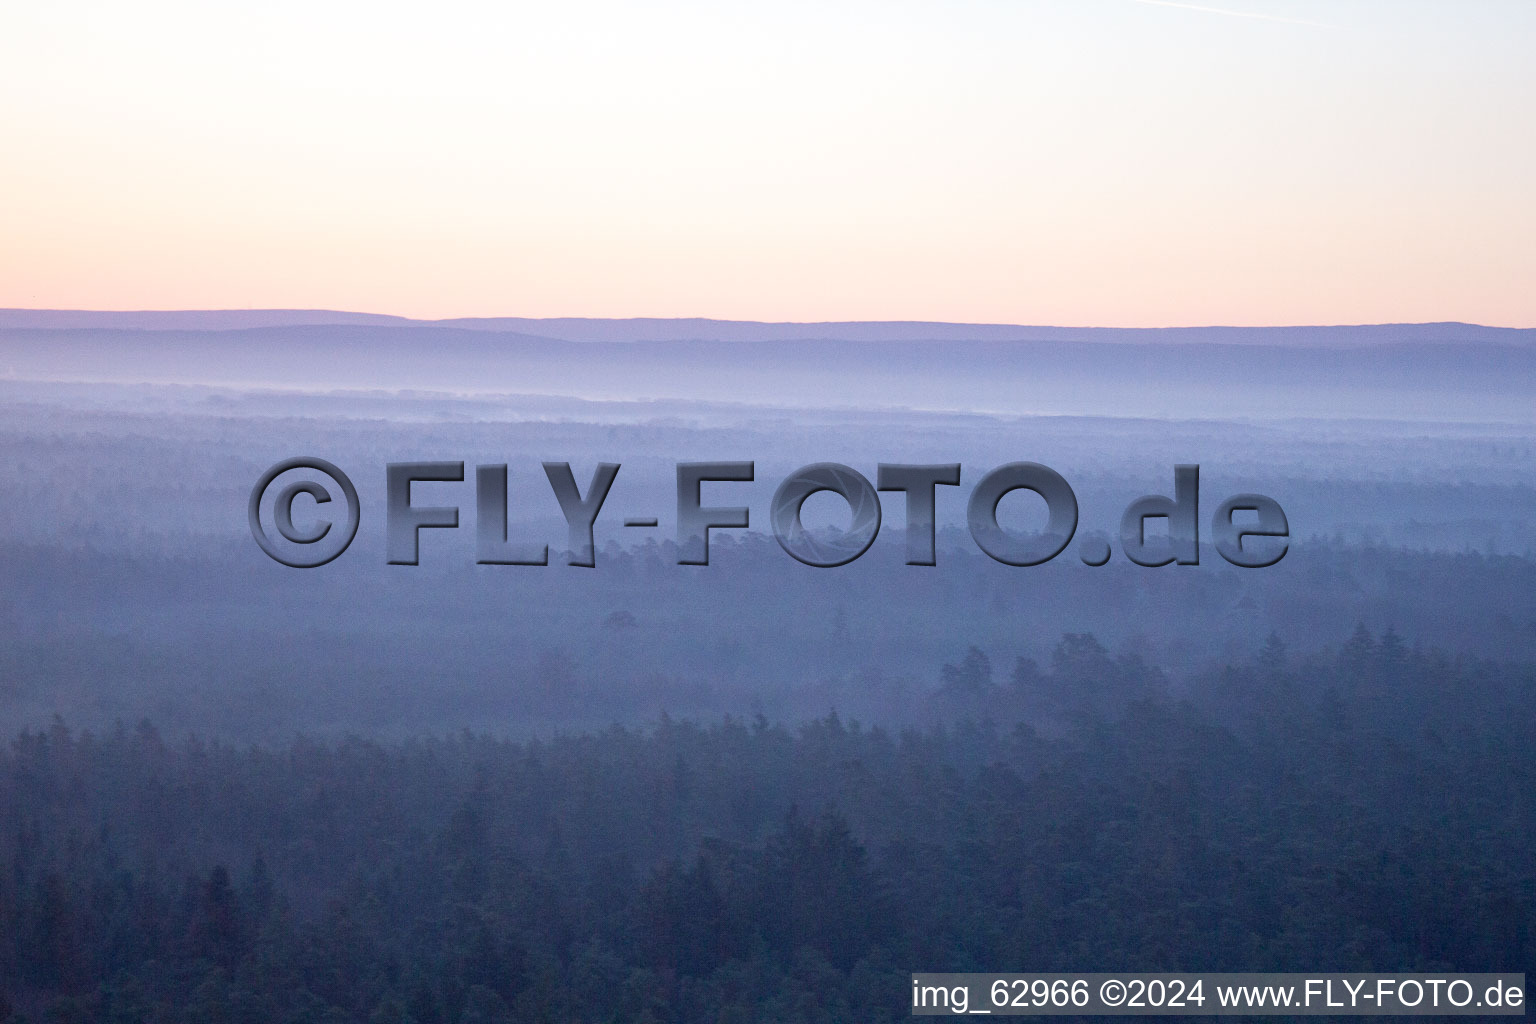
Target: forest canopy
<point>1367,808</point>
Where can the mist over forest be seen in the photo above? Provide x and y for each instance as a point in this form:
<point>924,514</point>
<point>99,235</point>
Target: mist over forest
<point>460,792</point>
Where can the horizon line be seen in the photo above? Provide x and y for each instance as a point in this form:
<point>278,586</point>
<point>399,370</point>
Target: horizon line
<point>733,320</point>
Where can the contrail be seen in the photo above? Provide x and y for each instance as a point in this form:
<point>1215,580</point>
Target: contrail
<point>1234,14</point>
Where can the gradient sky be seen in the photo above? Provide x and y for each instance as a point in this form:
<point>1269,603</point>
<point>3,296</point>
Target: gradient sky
<point>1105,162</point>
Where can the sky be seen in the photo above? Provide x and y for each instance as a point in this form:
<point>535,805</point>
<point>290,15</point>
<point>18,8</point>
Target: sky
<point>1092,162</point>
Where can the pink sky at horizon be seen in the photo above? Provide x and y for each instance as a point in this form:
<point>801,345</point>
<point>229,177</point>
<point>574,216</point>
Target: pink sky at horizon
<point>1102,163</point>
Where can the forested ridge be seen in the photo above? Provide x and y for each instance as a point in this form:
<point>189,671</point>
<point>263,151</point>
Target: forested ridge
<point>1369,808</point>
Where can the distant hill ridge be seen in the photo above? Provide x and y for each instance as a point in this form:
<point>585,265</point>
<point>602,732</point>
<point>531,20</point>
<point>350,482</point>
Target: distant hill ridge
<point>702,329</point>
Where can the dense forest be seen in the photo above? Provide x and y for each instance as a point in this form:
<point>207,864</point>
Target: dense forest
<point>392,652</point>
<point>753,791</point>
<point>1371,807</point>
